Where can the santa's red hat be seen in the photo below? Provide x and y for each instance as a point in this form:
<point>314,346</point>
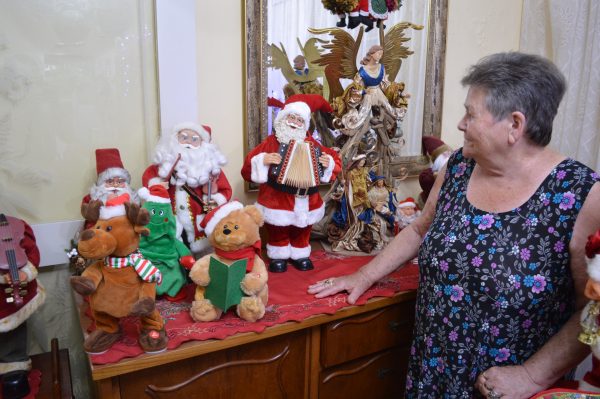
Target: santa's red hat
<point>592,249</point>
<point>109,165</point>
<point>156,193</point>
<point>304,105</point>
<point>212,219</point>
<point>435,147</point>
<point>409,202</point>
<point>204,131</point>
<point>114,207</point>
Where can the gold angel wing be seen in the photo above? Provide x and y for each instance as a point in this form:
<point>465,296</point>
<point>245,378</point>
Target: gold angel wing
<point>394,49</point>
<point>279,60</point>
<point>340,61</point>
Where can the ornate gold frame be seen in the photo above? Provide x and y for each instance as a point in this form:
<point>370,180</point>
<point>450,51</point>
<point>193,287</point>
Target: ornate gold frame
<point>255,77</point>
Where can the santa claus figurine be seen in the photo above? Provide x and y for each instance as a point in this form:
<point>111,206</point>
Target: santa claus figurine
<point>189,166</point>
<point>113,179</point>
<point>289,166</point>
<point>406,212</point>
<point>438,153</point>
<point>15,310</point>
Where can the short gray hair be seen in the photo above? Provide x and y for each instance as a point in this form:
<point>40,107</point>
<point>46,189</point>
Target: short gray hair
<point>527,83</point>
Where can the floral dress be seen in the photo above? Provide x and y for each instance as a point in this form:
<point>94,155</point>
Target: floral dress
<point>494,287</point>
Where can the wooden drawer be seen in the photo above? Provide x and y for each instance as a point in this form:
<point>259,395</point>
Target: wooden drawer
<point>382,375</point>
<point>272,368</point>
<point>368,333</point>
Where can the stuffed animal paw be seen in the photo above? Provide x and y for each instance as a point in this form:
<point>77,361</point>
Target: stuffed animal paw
<point>83,285</point>
<point>203,310</point>
<point>251,308</point>
<point>253,283</point>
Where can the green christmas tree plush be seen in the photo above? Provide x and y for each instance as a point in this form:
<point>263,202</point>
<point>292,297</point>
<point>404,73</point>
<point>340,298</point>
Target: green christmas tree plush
<point>161,246</point>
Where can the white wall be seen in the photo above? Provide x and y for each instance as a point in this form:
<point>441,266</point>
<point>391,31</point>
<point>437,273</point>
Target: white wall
<point>475,28</point>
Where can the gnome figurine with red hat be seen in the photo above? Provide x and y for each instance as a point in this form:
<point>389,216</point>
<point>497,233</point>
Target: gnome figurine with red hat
<point>189,166</point>
<point>289,166</point>
<point>113,179</point>
<point>161,246</point>
<point>439,153</point>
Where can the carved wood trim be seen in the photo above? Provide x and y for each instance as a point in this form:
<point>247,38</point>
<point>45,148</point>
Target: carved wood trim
<point>153,391</point>
<point>357,320</point>
<point>355,370</point>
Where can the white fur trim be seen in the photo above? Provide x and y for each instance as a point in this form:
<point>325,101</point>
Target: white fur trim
<point>222,212</point>
<point>259,171</point>
<point>298,108</point>
<point>281,252</point>
<point>593,267</point>
<point>219,198</point>
<point>11,322</point>
<point>353,14</point>
<point>199,245</point>
<point>329,170</point>
<point>300,253</point>
<point>407,204</point>
<point>440,161</point>
<point>144,194</point>
<point>192,126</point>
<point>109,173</point>
<point>154,180</point>
<point>299,217</point>
<point>15,366</point>
<point>109,212</point>
<point>199,219</point>
<point>366,13</point>
<point>183,217</point>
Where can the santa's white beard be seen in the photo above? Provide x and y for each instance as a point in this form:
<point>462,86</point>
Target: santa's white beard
<point>285,132</point>
<point>196,164</point>
<point>404,220</point>
<point>102,192</point>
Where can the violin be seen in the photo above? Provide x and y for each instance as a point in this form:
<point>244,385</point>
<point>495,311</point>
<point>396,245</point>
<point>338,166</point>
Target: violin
<point>12,256</point>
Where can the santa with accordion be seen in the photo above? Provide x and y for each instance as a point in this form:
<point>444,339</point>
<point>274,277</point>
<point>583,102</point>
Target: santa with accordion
<point>289,166</point>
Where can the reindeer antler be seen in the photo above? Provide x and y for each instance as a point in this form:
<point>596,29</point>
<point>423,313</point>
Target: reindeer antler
<point>91,210</point>
<point>139,217</point>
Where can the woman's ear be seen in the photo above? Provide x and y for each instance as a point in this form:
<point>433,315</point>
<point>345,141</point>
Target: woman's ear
<point>517,126</point>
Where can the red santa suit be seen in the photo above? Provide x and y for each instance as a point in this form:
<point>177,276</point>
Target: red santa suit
<point>288,217</point>
<point>188,212</point>
<point>12,317</point>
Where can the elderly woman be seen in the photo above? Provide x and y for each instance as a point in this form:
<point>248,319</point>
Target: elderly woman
<point>500,245</point>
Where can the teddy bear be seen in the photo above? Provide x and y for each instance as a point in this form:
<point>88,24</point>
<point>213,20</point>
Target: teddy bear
<point>233,231</point>
<point>120,282</point>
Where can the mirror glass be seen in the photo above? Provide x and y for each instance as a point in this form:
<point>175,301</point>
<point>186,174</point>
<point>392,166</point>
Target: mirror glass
<point>286,23</point>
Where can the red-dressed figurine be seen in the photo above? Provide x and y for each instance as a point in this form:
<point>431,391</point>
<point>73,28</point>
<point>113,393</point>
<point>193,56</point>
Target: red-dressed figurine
<point>289,166</point>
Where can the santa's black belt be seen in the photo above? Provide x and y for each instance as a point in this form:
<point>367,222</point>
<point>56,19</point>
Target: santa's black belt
<point>293,190</point>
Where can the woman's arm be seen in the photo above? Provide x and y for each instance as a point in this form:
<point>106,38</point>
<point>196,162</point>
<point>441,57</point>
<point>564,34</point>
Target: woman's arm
<point>401,249</point>
<point>563,351</point>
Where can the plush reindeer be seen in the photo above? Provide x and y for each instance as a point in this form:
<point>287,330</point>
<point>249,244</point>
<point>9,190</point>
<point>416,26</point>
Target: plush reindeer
<point>120,282</point>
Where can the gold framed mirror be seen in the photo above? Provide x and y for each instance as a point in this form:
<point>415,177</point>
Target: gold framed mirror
<point>255,77</point>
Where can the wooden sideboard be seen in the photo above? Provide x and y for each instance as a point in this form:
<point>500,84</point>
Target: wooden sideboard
<point>360,351</point>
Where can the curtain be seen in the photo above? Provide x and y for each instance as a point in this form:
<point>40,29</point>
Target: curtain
<point>288,21</point>
<point>568,33</point>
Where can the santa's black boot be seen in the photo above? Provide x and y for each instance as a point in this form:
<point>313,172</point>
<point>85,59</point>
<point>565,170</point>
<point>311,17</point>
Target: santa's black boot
<point>368,22</point>
<point>15,384</point>
<point>341,23</point>
<point>278,265</point>
<point>353,22</point>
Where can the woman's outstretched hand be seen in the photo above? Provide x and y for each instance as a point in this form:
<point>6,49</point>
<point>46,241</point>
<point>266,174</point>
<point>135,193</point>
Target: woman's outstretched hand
<point>355,284</point>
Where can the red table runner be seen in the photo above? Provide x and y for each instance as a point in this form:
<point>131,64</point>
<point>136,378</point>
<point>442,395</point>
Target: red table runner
<point>288,301</point>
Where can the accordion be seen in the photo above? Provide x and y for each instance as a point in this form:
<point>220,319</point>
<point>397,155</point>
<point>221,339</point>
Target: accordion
<point>299,171</point>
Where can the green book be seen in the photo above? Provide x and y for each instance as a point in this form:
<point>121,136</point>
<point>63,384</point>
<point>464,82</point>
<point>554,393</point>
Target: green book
<point>224,289</point>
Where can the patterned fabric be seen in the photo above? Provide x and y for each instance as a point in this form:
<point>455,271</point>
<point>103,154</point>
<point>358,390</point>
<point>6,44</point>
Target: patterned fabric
<point>494,287</point>
<point>143,267</point>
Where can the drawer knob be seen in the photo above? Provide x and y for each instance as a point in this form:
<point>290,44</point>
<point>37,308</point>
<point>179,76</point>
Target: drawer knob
<point>382,373</point>
<point>394,325</point>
